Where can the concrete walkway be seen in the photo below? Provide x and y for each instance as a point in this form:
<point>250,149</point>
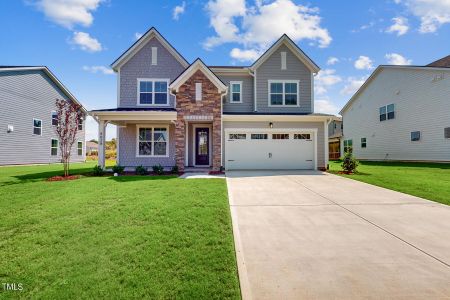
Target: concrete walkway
<point>311,235</point>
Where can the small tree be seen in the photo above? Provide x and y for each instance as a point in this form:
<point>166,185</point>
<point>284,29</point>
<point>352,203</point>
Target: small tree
<point>69,116</point>
<point>349,163</point>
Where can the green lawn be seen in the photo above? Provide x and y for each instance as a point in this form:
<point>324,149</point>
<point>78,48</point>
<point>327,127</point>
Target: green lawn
<point>427,180</point>
<point>115,237</point>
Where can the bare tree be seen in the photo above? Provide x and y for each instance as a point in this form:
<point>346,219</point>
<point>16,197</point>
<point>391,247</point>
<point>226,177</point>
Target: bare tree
<point>69,116</point>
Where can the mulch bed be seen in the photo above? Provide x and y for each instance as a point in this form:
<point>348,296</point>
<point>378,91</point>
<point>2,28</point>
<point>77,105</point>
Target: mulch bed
<point>63,178</point>
<point>131,173</point>
<point>345,172</point>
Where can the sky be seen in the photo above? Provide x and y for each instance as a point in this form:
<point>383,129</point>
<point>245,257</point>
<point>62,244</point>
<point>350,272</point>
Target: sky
<point>79,39</point>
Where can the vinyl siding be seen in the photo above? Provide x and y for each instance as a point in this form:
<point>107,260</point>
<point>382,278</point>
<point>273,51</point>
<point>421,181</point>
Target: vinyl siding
<point>247,93</point>
<point>420,105</point>
<point>140,66</point>
<point>287,125</point>
<point>334,132</point>
<point>127,149</point>
<point>271,69</point>
<point>25,95</point>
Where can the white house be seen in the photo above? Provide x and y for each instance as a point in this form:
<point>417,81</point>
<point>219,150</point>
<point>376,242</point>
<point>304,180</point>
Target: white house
<point>401,113</point>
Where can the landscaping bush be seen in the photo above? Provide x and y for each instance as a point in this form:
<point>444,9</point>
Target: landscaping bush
<point>158,169</point>
<point>140,170</point>
<point>349,163</point>
<point>174,170</point>
<point>118,169</point>
<point>98,171</point>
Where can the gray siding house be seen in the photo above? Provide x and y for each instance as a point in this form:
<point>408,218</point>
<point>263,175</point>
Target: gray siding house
<point>27,104</point>
<point>190,115</point>
<point>401,113</point>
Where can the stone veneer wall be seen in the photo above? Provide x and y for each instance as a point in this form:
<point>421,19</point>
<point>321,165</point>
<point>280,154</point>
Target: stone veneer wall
<point>209,106</point>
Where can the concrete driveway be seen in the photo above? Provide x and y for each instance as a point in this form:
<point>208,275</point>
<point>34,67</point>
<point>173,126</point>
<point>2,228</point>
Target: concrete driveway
<point>312,235</point>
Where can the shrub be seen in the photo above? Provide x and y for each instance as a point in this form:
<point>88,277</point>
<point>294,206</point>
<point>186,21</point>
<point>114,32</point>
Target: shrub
<point>349,163</point>
<point>158,169</point>
<point>174,170</point>
<point>140,170</point>
<point>98,171</point>
<point>118,169</point>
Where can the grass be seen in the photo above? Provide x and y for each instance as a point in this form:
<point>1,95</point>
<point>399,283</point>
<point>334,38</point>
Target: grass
<point>427,180</point>
<point>114,237</point>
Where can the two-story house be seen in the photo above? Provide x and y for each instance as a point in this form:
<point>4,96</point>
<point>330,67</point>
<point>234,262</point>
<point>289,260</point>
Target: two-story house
<point>170,112</point>
<point>28,116</point>
<point>401,113</point>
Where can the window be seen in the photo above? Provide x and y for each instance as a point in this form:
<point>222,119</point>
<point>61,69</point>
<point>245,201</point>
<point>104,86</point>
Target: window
<point>37,126</point>
<point>198,91</point>
<point>415,136</point>
<point>154,56</point>
<point>152,141</point>
<point>80,123</point>
<point>280,136</point>
<point>447,133</point>
<point>54,118</point>
<point>348,146</point>
<point>387,112</point>
<point>363,143</point>
<point>302,136</point>
<point>54,147</point>
<point>236,91</point>
<point>238,136</point>
<point>80,148</point>
<point>259,136</point>
<point>283,93</point>
<point>153,91</point>
<point>283,60</point>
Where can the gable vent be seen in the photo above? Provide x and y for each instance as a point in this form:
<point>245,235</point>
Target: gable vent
<point>198,91</point>
<point>154,56</point>
<point>283,60</point>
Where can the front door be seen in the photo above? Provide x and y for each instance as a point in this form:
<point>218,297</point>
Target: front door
<point>201,146</point>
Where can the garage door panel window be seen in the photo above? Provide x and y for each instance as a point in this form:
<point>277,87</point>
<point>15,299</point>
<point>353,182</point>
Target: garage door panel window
<point>280,136</point>
<point>259,136</point>
<point>302,136</point>
<point>237,136</point>
<point>283,93</point>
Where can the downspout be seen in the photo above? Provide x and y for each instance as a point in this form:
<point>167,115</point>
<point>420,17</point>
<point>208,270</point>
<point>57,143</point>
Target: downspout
<point>221,127</point>
<point>253,74</point>
<point>327,150</point>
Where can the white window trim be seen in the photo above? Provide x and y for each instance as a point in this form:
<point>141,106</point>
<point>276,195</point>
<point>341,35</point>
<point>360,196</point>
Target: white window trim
<point>283,82</point>
<point>42,126</point>
<point>154,59</point>
<point>153,126</point>
<point>51,147</point>
<point>51,116</point>
<point>231,91</point>
<point>139,80</point>
<point>82,150</point>
<point>385,106</point>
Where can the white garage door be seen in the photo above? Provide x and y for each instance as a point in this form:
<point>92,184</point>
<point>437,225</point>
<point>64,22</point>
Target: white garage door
<point>274,150</point>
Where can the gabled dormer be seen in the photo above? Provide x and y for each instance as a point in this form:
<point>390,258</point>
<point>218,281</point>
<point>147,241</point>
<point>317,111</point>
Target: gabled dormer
<point>145,71</point>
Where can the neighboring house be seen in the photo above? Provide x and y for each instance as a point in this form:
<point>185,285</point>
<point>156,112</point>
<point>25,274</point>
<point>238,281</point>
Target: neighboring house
<point>27,115</point>
<point>334,138</point>
<point>91,148</point>
<point>170,112</point>
<point>401,113</point>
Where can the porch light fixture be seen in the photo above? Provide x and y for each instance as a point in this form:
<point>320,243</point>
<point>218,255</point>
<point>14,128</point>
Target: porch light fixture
<point>271,125</point>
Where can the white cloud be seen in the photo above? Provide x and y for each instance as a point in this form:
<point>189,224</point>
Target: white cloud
<point>352,85</point>
<point>325,79</point>
<point>364,63</point>
<point>325,106</point>
<point>69,12</point>
<point>258,26</point>
<point>432,13</point>
<point>98,69</point>
<point>364,27</point>
<point>400,26</point>
<point>397,59</point>
<point>244,55</point>
<point>86,42</point>
<point>138,35</point>
<point>332,60</point>
<point>178,10</point>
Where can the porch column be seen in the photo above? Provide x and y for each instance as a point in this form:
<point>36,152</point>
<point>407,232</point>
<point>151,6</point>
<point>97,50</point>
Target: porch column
<point>101,143</point>
<point>180,143</point>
